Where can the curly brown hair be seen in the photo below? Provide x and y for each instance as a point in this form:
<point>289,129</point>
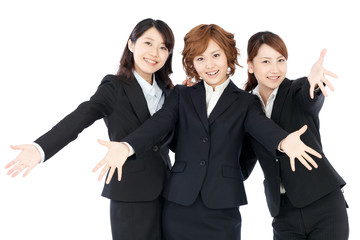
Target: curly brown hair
<point>196,41</point>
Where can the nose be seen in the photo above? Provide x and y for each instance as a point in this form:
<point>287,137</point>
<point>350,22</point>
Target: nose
<point>154,52</point>
<point>209,63</point>
<point>274,68</point>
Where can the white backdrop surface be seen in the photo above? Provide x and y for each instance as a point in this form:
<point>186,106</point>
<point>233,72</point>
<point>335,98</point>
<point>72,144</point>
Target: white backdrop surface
<point>53,55</point>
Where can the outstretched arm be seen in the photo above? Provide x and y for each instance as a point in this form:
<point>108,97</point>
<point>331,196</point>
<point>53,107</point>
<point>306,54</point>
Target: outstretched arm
<point>148,134</point>
<point>271,136</point>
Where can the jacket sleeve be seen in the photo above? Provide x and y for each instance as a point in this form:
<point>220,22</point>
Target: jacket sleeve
<point>264,130</point>
<point>302,96</point>
<point>100,105</point>
<point>247,158</point>
<point>157,127</point>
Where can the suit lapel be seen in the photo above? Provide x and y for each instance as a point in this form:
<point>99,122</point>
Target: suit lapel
<point>280,100</point>
<point>137,99</point>
<point>199,101</point>
<point>164,88</point>
<point>226,99</point>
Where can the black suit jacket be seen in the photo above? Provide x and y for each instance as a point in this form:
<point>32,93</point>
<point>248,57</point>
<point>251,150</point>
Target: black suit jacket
<point>123,106</point>
<point>207,149</point>
<point>292,109</point>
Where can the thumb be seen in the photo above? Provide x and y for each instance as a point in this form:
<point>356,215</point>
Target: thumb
<point>17,147</point>
<point>302,130</point>
<point>104,143</point>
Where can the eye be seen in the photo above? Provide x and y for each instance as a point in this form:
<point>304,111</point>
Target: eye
<point>216,55</point>
<point>164,48</point>
<point>266,61</point>
<point>148,43</point>
<point>282,60</point>
<point>199,59</point>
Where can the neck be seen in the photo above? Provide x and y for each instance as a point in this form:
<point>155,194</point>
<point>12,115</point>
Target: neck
<point>265,94</point>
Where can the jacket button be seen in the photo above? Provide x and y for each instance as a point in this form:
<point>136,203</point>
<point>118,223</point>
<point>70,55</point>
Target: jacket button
<point>276,160</point>
<point>202,163</point>
<point>155,148</point>
<point>205,140</point>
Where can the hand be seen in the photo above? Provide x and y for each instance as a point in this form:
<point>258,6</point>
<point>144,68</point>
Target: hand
<point>26,160</point>
<point>114,158</point>
<point>295,148</point>
<point>188,82</point>
<point>317,76</point>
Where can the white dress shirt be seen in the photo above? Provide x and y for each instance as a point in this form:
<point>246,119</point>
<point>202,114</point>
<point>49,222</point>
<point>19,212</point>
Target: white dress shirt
<point>213,95</point>
<point>154,98</point>
<point>267,108</point>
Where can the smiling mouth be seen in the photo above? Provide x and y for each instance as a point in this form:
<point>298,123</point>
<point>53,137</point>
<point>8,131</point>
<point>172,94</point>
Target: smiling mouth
<point>150,61</point>
<point>211,74</point>
<point>273,78</point>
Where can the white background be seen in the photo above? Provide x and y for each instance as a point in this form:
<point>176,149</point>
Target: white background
<point>53,55</point>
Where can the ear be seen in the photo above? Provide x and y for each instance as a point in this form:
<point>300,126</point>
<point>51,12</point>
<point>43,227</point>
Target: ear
<point>250,66</point>
<point>131,46</point>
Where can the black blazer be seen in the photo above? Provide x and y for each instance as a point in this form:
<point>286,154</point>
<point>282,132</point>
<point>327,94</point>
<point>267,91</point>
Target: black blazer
<point>293,108</point>
<point>207,149</point>
<point>123,106</point>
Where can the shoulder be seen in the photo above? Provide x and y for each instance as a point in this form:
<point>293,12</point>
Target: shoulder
<point>115,81</point>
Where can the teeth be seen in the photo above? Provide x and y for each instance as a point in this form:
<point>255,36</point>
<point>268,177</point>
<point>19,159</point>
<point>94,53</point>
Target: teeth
<point>150,61</point>
<point>213,73</point>
<point>273,78</point>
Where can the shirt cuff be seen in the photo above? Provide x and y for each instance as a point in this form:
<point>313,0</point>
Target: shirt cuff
<point>42,154</point>
<point>131,149</point>
<point>279,149</point>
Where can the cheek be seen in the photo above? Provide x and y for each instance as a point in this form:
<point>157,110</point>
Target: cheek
<point>197,67</point>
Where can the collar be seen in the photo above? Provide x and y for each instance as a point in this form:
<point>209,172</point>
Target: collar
<point>272,96</point>
<point>153,89</point>
<point>219,88</point>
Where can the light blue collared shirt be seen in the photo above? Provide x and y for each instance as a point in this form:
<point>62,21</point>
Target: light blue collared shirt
<point>153,94</point>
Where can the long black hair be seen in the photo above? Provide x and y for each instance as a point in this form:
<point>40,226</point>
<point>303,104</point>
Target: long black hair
<point>127,60</point>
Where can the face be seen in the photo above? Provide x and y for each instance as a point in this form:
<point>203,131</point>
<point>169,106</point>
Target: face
<point>212,65</point>
<point>269,68</point>
<point>150,53</point>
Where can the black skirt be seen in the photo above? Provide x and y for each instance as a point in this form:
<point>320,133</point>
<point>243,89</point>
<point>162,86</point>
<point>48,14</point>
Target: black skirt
<point>199,222</point>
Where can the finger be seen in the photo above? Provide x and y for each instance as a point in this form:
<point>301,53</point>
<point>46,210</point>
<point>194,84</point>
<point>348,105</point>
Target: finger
<point>323,90</point>
<point>328,83</point>
<point>312,89</point>
<point>110,175</point>
<point>13,162</point>
<point>304,162</point>
<point>17,147</point>
<point>313,152</point>
<point>310,160</point>
<point>302,130</point>
<point>99,165</point>
<point>292,164</point>
<point>14,169</point>
<point>119,173</point>
<point>104,143</point>
<point>322,56</point>
<point>27,171</point>
<point>18,170</point>
<point>329,73</point>
<point>103,172</point>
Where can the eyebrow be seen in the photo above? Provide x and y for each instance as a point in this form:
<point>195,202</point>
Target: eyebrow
<point>270,57</point>
<point>149,38</point>
<point>210,53</point>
